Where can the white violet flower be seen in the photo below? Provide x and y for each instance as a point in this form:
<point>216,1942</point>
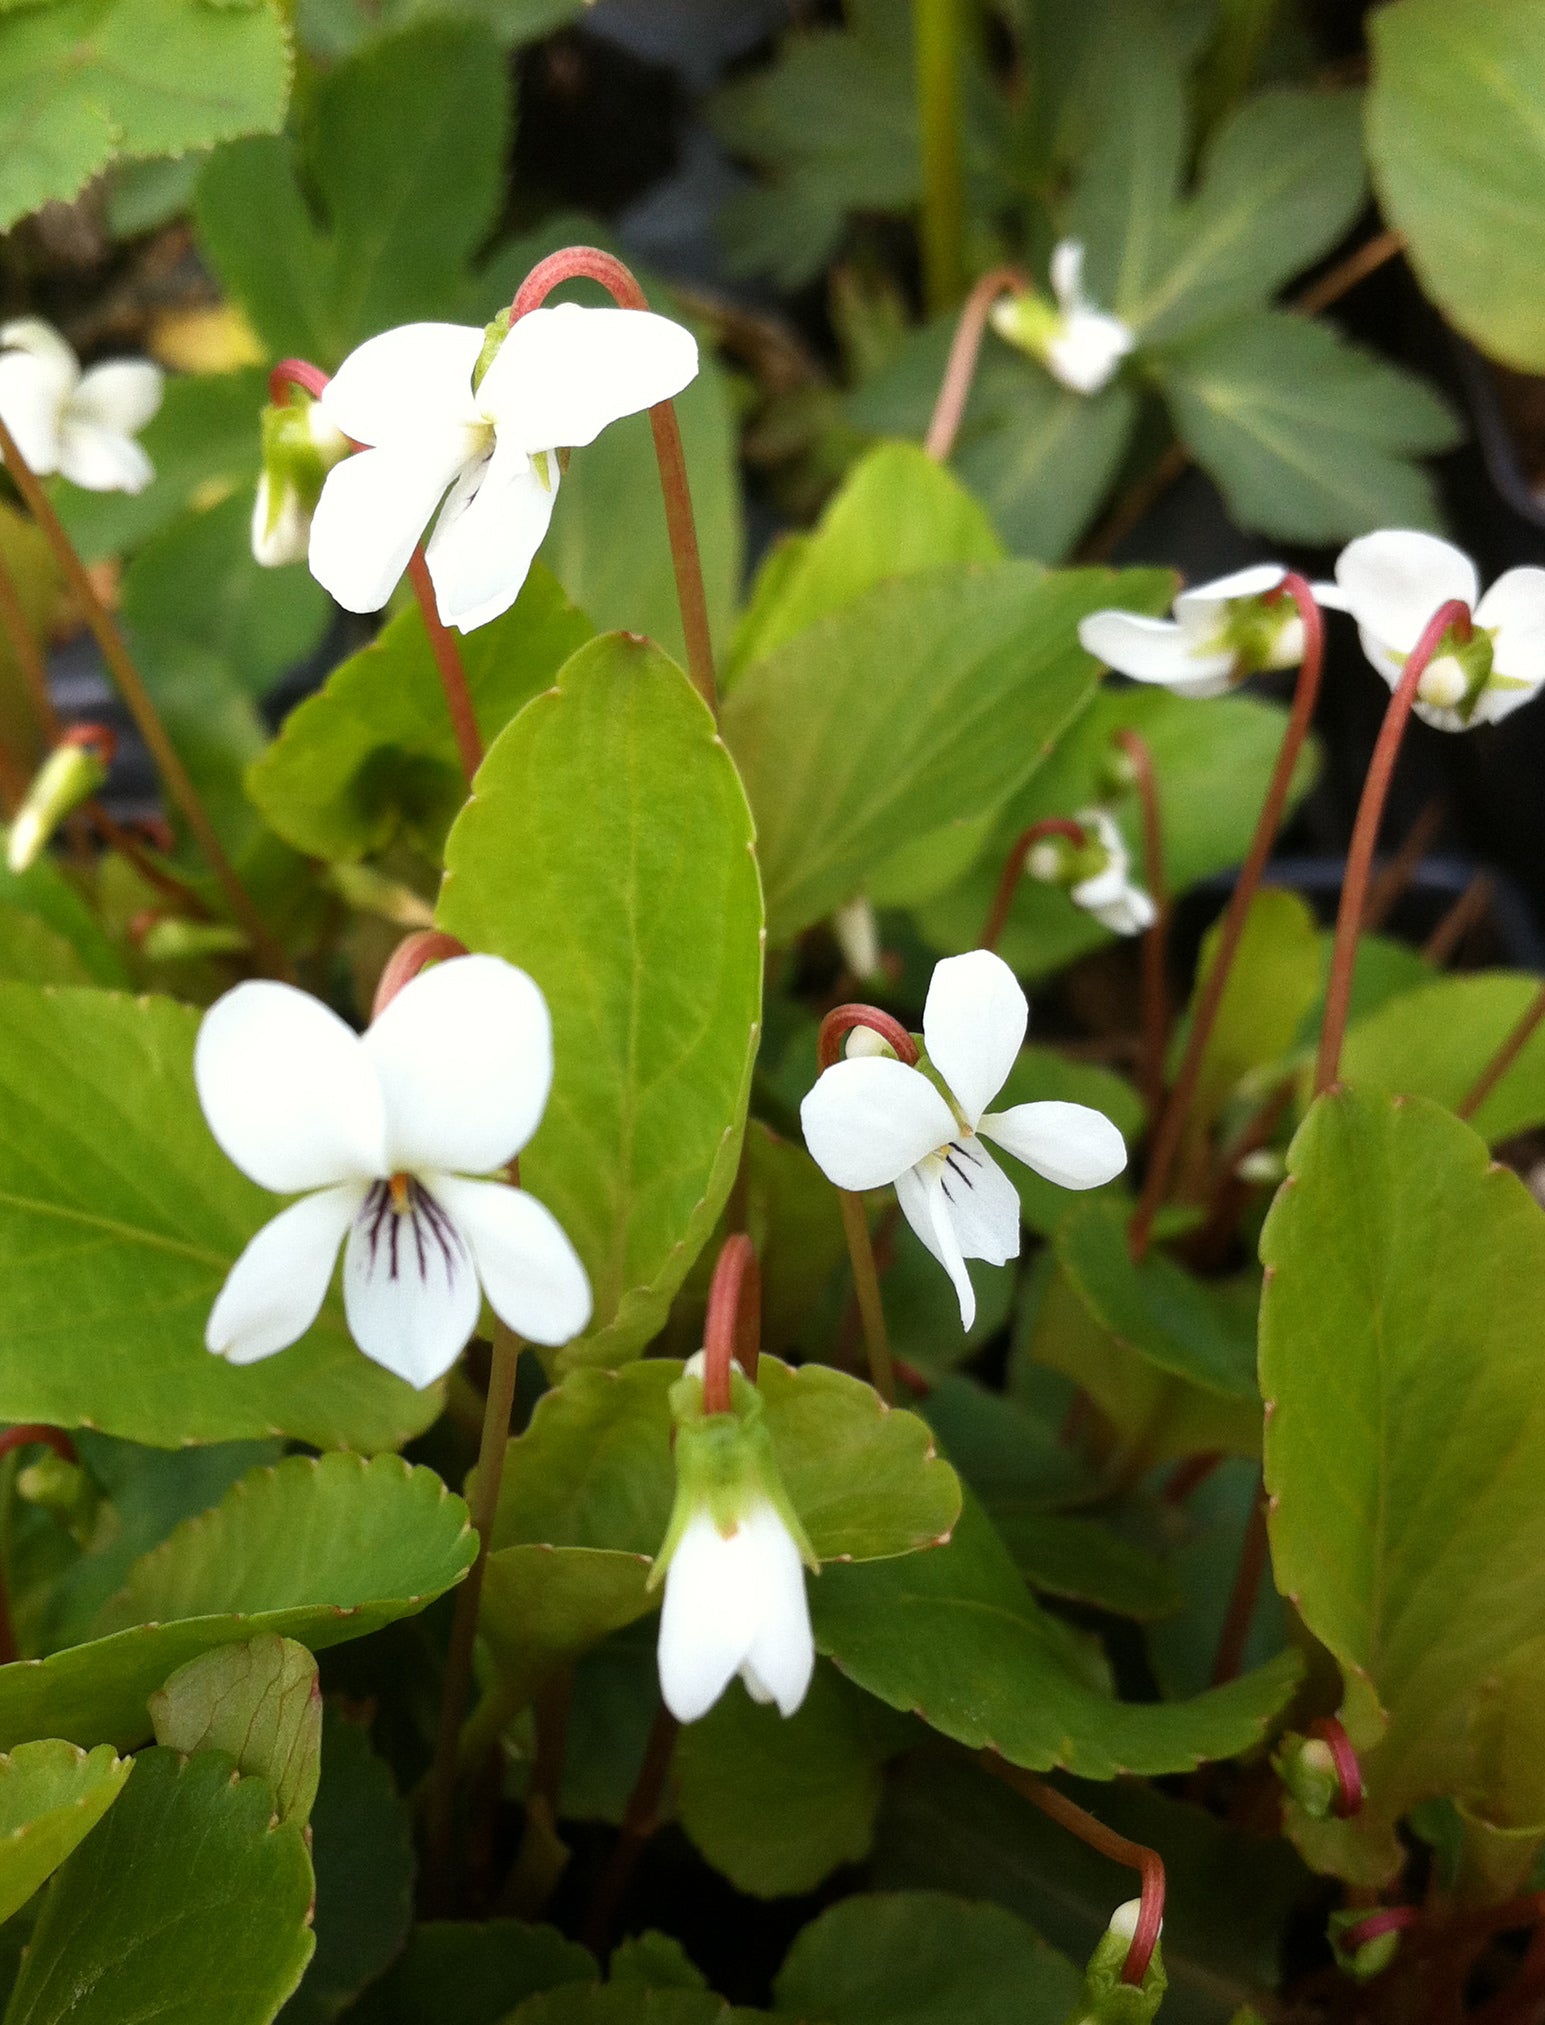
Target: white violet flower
<point>1221,633</point>
<point>872,1120</point>
<point>488,447</point>
<point>377,1133</point>
<point>1078,344</point>
<point>733,1562</point>
<point>1108,892</point>
<point>1394,582</point>
<point>82,424</point>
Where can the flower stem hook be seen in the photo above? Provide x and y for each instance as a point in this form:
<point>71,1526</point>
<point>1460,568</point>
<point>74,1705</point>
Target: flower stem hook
<point>842,1020</point>
<point>732,1330</point>
<point>589,263</point>
<point>1014,870</point>
<point>960,367</point>
<point>1171,1126</point>
<point>413,954</point>
<point>1349,1771</point>
<point>1455,615</point>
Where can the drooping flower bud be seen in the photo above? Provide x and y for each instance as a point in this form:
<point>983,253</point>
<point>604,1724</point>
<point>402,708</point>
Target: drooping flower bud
<point>173,938</point>
<point>1096,874</point>
<point>732,1560</point>
<point>1107,1999</point>
<point>1078,344</point>
<point>300,447</point>
<point>1307,1767</point>
<point>69,777</point>
<point>1366,1939</point>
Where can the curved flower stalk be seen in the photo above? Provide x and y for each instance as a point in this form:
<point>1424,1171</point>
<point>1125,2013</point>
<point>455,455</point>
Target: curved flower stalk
<point>475,419</point>
<point>1079,344</point>
<point>382,1132</point>
<point>735,1554</point>
<point>1393,583</point>
<point>1222,633</point>
<point>873,1121</point>
<point>80,424</point>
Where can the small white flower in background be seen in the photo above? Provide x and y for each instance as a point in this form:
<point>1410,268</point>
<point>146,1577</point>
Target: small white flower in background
<point>555,382</point>
<point>300,447</point>
<point>381,1130</point>
<point>1107,892</point>
<point>1222,632</point>
<point>733,1562</point>
<point>1392,584</point>
<point>81,424</point>
<point>857,935</point>
<point>1078,344</point>
<point>872,1120</point>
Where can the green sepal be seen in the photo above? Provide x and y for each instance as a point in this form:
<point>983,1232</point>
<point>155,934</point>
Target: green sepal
<point>493,336</point>
<point>1106,1999</point>
<point>1374,1956</point>
<point>1308,1770</point>
<point>294,462</point>
<point>69,777</point>
<point>1028,322</point>
<point>724,1463</point>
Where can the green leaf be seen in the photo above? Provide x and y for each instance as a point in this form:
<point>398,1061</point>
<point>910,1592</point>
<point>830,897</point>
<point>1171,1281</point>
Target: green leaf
<point>643,926</point>
<point>896,512</point>
<point>260,1703</point>
<point>119,1219</point>
<point>465,1974</point>
<point>362,1847</point>
<point>626,2004</point>
<point>203,439</point>
<point>544,1605</point>
<point>920,702</point>
<point>1273,983</point>
<point>46,891</point>
<point>1307,436</point>
<point>954,1637</point>
<point>1039,457</point>
<point>1435,1041</point>
<point>1456,139</point>
<point>778,1803</point>
<point>34,953</point>
<point>1404,1446</point>
<point>654,1961</point>
<point>191,1898</point>
<point>401,154</point>
<point>923,1958</point>
<point>1212,760</point>
<point>1009,1455</point>
<point>318,1549</point>
<point>85,80</point>
<point>1088,1563</point>
<point>1154,1307</point>
<point>372,754</point>
<point>198,580</point>
<point>51,1797</point>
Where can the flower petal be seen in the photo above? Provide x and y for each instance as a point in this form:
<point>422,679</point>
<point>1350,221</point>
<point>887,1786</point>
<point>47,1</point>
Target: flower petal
<point>708,1619</point>
<point>101,460</point>
<point>782,1656</point>
<point>487,535</point>
<point>464,1054</point>
<point>275,1290</point>
<point>410,1290</point>
<point>984,1203</point>
<point>530,1272</point>
<point>869,1118</point>
<point>412,381</point>
<point>1514,609</point>
<point>924,1206</point>
<point>563,374</point>
<point>120,395</point>
<point>974,1021</point>
<point>32,397</point>
<point>1070,1144</point>
<point>288,1090</point>
<point>373,508</point>
<point>39,340</point>
<point>1394,581</point>
<point>1154,650</point>
<point>1067,274</point>
<point>1253,581</point>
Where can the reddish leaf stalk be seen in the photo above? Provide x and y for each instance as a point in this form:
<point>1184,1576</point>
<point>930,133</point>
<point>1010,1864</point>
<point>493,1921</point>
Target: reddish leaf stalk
<point>1135,1855</point>
<point>1155,980</point>
<point>589,263</point>
<point>1454,614</point>
<point>1243,1596</point>
<point>1172,1122</point>
<point>960,368</point>
<point>1014,871</point>
<point>1349,1771</point>
<point>732,1329</point>
<point>1504,1058</point>
<point>178,781</point>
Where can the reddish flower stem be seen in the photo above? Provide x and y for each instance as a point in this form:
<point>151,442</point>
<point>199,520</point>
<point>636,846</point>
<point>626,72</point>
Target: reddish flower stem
<point>1349,1771</point>
<point>589,263</point>
<point>1504,1058</point>
<point>1253,1555</point>
<point>413,954</point>
<point>296,373</point>
<point>1155,979</point>
<point>841,1021</point>
<point>29,658</point>
<point>1136,1855</point>
<point>1014,871</point>
<point>1172,1122</point>
<point>1455,615</point>
<point>141,707</point>
<point>640,1820</point>
<point>960,367</point>
<point>732,1329</point>
<point>1390,1919</point>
